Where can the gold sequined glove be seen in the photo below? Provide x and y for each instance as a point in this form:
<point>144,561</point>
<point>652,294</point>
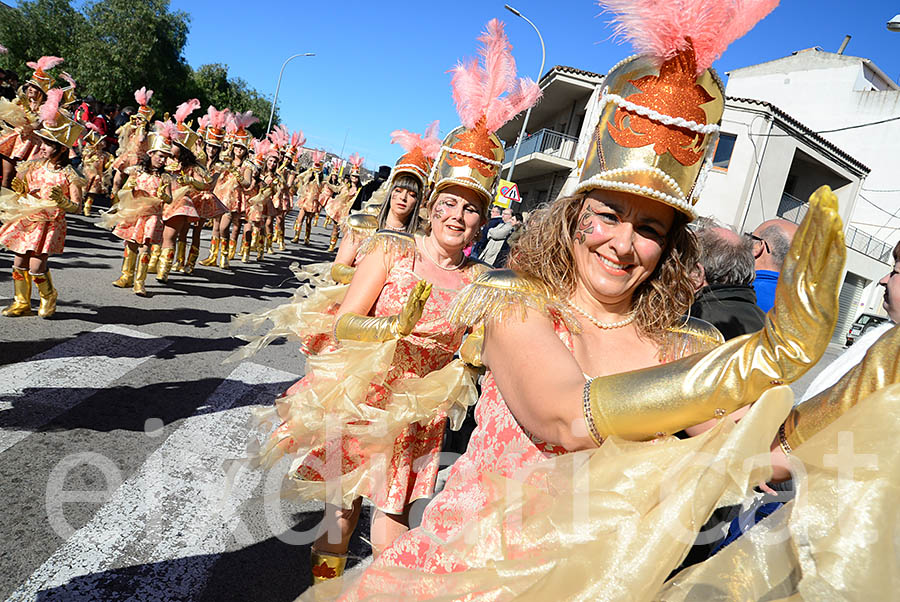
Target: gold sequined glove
<point>470,352</point>
<point>18,186</point>
<point>342,274</point>
<point>354,327</point>
<point>162,192</point>
<point>668,398</point>
<point>58,196</point>
<point>879,368</point>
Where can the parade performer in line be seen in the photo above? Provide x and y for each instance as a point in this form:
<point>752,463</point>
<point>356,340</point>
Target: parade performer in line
<point>18,140</point>
<point>232,185</point>
<point>139,218</point>
<point>96,164</point>
<point>339,206</point>
<point>600,282</point>
<point>178,214</point>
<point>392,457</point>
<point>33,212</point>
<point>133,141</point>
<point>286,145</point>
<point>308,204</point>
<point>214,135</point>
<point>259,205</point>
<point>330,190</point>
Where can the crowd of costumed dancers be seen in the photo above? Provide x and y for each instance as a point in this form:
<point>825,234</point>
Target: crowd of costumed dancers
<point>167,182</point>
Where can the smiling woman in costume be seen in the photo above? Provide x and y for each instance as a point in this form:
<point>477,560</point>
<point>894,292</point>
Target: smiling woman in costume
<point>611,369</point>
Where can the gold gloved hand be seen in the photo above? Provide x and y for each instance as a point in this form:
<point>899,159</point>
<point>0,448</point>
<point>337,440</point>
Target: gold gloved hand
<point>470,351</point>
<point>162,192</point>
<point>879,368</point>
<point>668,398</point>
<point>18,186</point>
<point>354,327</point>
<point>342,274</point>
<point>58,196</point>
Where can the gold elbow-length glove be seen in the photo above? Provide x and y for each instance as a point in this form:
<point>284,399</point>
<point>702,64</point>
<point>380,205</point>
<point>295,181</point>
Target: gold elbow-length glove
<point>666,399</point>
<point>354,327</point>
<point>470,351</point>
<point>879,368</point>
<point>58,196</point>
<point>342,274</point>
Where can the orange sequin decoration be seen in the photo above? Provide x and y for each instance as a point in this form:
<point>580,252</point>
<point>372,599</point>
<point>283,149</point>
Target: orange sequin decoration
<point>478,141</point>
<point>323,571</point>
<point>673,92</point>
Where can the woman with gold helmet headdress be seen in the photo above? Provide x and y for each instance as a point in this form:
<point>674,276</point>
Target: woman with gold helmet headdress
<point>231,187</point>
<point>259,204</point>
<point>139,218</point>
<point>96,164</point>
<point>214,137</point>
<point>311,182</point>
<point>34,211</point>
<point>133,141</point>
<point>17,139</point>
<point>286,145</point>
<point>392,365</point>
<point>587,350</point>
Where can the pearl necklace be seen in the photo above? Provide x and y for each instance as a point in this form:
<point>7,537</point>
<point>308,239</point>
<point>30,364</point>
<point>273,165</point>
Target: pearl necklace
<point>434,261</point>
<point>598,323</point>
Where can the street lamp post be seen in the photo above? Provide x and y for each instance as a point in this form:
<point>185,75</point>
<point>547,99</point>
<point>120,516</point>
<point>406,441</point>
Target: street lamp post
<point>894,24</point>
<point>512,165</point>
<point>278,87</point>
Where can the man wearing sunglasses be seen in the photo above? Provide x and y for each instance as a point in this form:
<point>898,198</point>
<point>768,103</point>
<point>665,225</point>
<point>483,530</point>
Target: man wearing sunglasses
<point>771,241</point>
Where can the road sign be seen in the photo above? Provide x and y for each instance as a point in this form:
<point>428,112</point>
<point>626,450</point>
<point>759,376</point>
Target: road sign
<point>507,193</point>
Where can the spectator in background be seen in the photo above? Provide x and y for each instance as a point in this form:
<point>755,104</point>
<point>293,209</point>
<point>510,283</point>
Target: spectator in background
<point>9,82</point>
<point>483,237</point>
<point>497,237</point>
<point>723,276</point>
<point>518,224</point>
<point>369,188</point>
<point>771,241</point>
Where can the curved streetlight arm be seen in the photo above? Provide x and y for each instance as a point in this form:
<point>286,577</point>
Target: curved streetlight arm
<point>512,165</point>
<point>278,86</point>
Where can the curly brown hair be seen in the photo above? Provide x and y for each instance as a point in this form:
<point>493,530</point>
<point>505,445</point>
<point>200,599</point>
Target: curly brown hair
<point>544,252</point>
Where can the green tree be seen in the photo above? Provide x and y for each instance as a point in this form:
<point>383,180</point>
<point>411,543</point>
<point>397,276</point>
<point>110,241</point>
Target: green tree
<point>39,28</point>
<point>213,86</point>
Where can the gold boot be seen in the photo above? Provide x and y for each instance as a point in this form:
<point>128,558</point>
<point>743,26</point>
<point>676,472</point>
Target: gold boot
<point>316,224</point>
<point>296,237</point>
<point>193,254</point>
<point>155,250</point>
<point>308,228</point>
<point>127,277</point>
<point>327,222</point>
<point>140,276</point>
<point>334,241</point>
<point>180,248</point>
<point>21,305</point>
<point>281,246</point>
<point>225,254</point>
<point>87,206</point>
<point>213,253</point>
<point>245,250</point>
<point>326,566</point>
<point>261,247</point>
<point>232,248</point>
<point>166,259</point>
<point>48,294</point>
<point>269,244</point>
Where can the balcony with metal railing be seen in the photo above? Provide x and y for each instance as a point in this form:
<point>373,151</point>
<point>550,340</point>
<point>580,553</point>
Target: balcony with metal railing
<point>793,209</point>
<point>542,152</point>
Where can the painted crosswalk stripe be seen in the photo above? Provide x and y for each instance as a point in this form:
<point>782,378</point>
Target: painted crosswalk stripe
<point>37,390</point>
<point>171,509</point>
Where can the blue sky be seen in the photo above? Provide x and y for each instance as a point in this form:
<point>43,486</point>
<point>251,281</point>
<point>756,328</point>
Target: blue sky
<point>382,66</point>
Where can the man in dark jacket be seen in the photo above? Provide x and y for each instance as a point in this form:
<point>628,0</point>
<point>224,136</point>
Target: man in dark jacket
<point>495,219</point>
<point>725,272</point>
<point>368,189</point>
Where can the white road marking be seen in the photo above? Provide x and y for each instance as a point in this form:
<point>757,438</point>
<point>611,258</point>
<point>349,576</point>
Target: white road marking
<point>35,391</point>
<point>170,512</point>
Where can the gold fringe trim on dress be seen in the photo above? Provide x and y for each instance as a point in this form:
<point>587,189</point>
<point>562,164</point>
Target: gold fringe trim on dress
<point>393,244</point>
<point>502,294</point>
<point>130,208</point>
<point>333,407</point>
<point>14,207</point>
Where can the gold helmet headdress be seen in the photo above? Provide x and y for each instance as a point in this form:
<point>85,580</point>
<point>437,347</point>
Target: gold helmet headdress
<point>421,151</point>
<point>215,126</point>
<point>237,128</point>
<point>164,134</point>
<point>142,97</point>
<point>487,96</point>
<point>188,136</point>
<point>660,110</point>
<point>57,124</point>
<point>40,79</point>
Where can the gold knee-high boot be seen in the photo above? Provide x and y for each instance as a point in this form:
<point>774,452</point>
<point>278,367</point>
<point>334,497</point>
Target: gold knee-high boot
<point>193,254</point>
<point>88,203</point>
<point>245,248</point>
<point>213,252</point>
<point>280,235</point>
<point>140,276</point>
<point>48,294</point>
<point>21,305</point>
<point>308,229</point>
<point>155,251</point>
<point>327,221</point>
<point>178,265</point>
<point>334,241</point>
<point>326,566</point>
<point>226,253</point>
<point>232,248</point>
<point>269,244</point>
<point>126,280</point>
<point>261,242</point>
<point>166,259</point>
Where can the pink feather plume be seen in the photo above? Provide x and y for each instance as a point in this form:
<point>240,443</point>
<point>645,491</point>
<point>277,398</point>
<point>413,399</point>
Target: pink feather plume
<point>230,124</point>
<point>50,109</point>
<point>430,144</point>
<point>661,29</point>
<point>355,160</point>
<point>167,130</point>
<point>318,156</point>
<point>3,49</point>
<point>217,118</point>
<point>69,79</point>
<point>45,63</point>
<point>244,120</point>
<point>143,96</point>
<point>203,121</point>
<point>301,139</point>
<point>295,139</point>
<point>185,109</point>
<point>490,91</point>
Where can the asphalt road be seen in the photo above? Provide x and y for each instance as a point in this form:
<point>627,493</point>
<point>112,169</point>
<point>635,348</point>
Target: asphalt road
<point>116,418</point>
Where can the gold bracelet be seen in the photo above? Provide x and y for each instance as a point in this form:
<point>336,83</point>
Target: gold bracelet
<point>588,416</point>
